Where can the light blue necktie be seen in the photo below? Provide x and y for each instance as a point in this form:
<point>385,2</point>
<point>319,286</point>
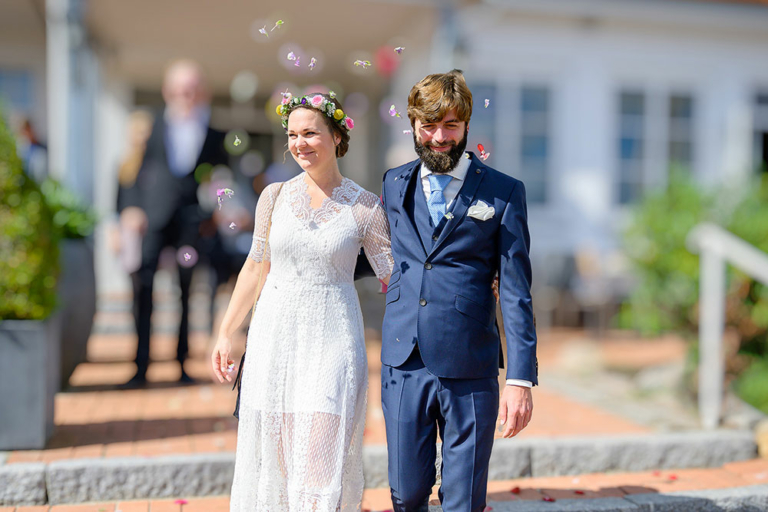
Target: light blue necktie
<point>436,201</point>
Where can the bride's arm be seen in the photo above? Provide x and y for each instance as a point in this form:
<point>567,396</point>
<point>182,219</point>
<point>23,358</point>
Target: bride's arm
<point>248,286</point>
<point>377,243</point>
<point>246,289</point>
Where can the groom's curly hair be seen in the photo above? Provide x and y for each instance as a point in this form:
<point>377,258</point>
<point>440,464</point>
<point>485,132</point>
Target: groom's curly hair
<point>435,95</point>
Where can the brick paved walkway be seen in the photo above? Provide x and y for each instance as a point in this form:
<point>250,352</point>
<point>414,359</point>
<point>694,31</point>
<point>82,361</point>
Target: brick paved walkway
<point>96,419</point>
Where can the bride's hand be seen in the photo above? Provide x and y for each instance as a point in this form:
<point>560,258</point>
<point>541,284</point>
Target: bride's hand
<point>220,359</point>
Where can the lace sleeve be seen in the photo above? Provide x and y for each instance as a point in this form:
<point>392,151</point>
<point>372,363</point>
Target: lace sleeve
<point>376,240</point>
<point>263,215</point>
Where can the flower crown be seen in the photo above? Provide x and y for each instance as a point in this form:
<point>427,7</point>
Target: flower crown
<point>318,101</point>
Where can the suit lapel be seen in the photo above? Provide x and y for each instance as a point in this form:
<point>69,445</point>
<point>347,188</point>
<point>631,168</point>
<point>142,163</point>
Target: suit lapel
<point>164,143</point>
<point>465,197</point>
<point>408,180</point>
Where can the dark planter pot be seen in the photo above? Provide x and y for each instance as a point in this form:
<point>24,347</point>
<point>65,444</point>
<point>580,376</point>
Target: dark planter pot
<point>77,296</point>
<point>29,379</point>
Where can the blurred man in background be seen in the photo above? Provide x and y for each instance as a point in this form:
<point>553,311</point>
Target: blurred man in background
<point>162,204</point>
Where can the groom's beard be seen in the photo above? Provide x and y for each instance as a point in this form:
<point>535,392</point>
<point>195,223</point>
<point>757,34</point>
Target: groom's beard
<point>441,163</point>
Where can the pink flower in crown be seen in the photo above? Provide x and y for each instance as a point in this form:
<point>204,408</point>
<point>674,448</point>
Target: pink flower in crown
<point>349,122</point>
<point>317,100</point>
<point>286,99</point>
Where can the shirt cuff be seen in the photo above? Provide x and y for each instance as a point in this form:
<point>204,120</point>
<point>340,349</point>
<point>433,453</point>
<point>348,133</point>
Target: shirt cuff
<point>518,382</point>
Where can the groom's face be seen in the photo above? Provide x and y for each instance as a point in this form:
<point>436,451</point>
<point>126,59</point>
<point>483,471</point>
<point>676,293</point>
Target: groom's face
<point>440,144</point>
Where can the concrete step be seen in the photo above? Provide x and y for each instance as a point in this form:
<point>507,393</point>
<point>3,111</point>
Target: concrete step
<point>91,480</point>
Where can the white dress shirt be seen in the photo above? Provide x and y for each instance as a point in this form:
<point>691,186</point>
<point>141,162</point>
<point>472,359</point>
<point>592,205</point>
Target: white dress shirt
<point>459,174</point>
<point>185,139</point>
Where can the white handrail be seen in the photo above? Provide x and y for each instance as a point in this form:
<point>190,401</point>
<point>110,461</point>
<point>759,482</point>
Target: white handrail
<point>718,247</point>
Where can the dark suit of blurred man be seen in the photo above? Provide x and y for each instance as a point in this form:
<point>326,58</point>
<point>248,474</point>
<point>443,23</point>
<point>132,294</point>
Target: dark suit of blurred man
<point>163,203</point>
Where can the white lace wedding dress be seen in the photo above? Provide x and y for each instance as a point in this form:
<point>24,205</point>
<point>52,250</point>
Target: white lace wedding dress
<point>305,380</point>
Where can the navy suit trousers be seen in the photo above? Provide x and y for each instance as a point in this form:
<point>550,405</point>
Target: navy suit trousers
<point>417,405</point>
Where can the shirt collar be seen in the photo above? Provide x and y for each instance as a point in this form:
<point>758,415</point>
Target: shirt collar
<point>459,172</point>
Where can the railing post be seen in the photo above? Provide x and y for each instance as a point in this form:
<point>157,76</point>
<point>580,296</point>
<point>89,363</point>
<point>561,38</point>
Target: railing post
<point>711,326</point>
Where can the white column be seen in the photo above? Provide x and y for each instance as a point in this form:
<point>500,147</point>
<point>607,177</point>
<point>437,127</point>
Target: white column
<point>72,82</point>
<point>58,85</point>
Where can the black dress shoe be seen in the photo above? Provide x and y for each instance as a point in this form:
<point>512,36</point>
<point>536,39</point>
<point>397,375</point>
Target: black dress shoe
<point>186,379</point>
<point>137,381</point>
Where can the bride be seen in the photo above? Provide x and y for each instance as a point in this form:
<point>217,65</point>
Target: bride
<point>305,380</point>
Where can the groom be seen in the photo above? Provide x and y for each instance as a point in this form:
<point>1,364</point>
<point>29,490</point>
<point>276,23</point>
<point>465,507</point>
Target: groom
<point>455,224</point>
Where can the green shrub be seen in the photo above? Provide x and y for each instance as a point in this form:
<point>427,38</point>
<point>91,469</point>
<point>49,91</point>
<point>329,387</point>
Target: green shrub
<point>28,241</point>
<point>71,217</point>
<point>752,384</point>
<point>668,273</point>
<point>667,295</point>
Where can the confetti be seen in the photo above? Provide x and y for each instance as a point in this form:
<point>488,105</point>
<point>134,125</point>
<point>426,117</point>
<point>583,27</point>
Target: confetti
<point>264,31</point>
<point>180,502</point>
<point>232,225</point>
<point>393,112</point>
<point>312,63</point>
<point>673,477</point>
<point>364,63</point>
<point>298,62</point>
<point>407,132</point>
<point>237,141</point>
<point>483,155</point>
<point>399,49</point>
<point>656,473</point>
<point>580,493</point>
<point>186,256</point>
<point>230,367</point>
<point>278,24</point>
<point>487,102</point>
<point>331,94</point>
<point>548,498</point>
<point>449,216</point>
<point>291,56</point>
<point>515,490</point>
<point>224,192</point>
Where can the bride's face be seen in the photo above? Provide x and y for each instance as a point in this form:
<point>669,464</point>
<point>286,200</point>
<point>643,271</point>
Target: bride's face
<point>310,141</point>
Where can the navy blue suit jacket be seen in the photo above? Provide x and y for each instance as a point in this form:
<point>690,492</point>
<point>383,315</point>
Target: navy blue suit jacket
<point>440,297</point>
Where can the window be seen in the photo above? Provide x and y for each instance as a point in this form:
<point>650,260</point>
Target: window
<point>656,135</point>
<point>16,90</point>
<point>760,119</point>
<point>515,129</point>
<point>534,141</point>
<point>632,108</point>
<point>680,144</point>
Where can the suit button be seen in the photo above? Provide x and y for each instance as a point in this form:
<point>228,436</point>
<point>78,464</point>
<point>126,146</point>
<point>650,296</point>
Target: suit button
<point>434,237</point>
<point>428,266</point>
<point>423,302</point>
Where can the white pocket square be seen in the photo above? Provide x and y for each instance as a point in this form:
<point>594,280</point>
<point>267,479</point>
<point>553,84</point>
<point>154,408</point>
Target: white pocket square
<point>481,211</point>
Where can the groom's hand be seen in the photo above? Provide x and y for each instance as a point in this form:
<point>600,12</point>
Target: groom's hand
<point>515,409</point>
